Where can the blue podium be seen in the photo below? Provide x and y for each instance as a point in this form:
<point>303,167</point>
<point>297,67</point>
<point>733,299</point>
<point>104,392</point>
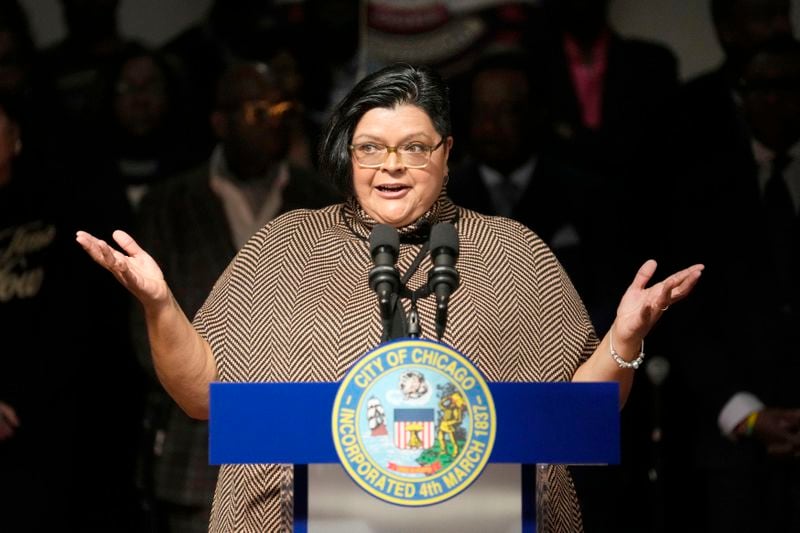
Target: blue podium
<point>537,424</point>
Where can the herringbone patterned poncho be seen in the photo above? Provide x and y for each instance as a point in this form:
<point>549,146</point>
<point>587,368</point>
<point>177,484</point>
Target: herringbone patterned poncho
<point>295,305</point>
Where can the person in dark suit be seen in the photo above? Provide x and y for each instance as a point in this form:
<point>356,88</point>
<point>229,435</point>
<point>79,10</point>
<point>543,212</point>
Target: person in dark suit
<point>194,224</point>
<point>718,156</point>
<point>736,357</point>
<point>608,96</point>
<point>59,445</point>
<point>609,102</point>
<point>508,171</point>
<point>709,102</point>
<point>567,207</point>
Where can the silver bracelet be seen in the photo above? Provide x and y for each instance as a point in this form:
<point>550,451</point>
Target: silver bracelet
<point>619,360</point>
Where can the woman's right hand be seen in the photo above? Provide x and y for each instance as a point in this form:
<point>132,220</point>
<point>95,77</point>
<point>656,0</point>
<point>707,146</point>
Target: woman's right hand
<point>137,271</point>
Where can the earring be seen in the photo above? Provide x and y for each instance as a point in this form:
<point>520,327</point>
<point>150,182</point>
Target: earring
<point>446,179</point>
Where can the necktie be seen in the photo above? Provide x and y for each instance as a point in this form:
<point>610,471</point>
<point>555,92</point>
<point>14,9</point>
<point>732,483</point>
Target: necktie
<point>506,196</point>
<point>777,200</point>
<point>782,224</point>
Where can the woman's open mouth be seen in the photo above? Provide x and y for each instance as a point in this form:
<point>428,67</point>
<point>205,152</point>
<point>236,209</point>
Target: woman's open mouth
<point>393,190</point>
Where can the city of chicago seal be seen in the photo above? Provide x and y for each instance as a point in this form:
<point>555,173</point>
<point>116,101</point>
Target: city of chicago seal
<point>414,422</point>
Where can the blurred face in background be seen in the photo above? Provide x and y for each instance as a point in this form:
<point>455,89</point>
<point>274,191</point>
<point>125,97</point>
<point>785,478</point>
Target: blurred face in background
<point>501,122</point>
<point>252,121</point>
<point>287,71</point>
<point>771,98</point>
<point>141,97</point>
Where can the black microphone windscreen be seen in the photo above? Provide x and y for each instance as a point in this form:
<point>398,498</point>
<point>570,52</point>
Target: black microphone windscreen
<point>444,235</point>
<point>383,235</point>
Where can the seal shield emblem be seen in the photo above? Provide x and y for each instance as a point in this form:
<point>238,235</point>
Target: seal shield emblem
<point>414,422</point>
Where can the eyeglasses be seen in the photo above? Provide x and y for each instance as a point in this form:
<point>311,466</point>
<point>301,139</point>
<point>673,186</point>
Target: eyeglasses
<point>263,111</point>
<point>413,154</point>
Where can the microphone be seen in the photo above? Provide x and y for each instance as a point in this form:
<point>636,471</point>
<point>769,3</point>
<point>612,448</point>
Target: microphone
<point>384,245</point>
<point>443,278</point>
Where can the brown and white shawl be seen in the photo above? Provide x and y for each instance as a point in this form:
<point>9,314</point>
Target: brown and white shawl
<point>295,305</point>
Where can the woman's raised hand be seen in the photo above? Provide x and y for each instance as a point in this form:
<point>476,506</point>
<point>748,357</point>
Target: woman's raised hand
<point>135,269</point>
<point>642,306</point>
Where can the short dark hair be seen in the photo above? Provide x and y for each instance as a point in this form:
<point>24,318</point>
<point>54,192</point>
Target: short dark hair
<point>235,77</point>
<point>527,63</point>
<point>388,87</point>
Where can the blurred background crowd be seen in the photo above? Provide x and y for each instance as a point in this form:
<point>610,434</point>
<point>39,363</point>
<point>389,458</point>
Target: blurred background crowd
<point>613,149</point>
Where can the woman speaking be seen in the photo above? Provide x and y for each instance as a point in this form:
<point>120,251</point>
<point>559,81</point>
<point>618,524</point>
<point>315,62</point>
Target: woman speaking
<point>295,304</point>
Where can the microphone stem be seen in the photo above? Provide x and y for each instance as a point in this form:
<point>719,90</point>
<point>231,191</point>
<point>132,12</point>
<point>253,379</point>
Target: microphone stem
<point>441,319</point>
<point>413,319</point>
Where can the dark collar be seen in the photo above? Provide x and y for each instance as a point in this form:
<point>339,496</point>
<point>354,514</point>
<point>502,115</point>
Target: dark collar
<point>361,224</point>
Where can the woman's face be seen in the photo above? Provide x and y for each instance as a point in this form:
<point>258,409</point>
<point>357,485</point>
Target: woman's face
<point>394,194</point>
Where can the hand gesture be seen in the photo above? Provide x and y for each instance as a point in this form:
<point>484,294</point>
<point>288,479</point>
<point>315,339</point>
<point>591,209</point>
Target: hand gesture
<point>779,431</point>
<point>642,306</point>
<point>137,271</point>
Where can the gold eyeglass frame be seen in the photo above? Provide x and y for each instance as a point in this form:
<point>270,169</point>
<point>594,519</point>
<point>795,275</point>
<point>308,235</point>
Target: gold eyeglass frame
<point>390,149</point>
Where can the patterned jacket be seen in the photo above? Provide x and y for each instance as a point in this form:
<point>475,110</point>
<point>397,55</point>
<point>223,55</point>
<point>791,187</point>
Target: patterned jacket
<point>295,305</point>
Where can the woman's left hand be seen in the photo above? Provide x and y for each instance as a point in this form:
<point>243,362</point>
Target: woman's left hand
<point>642,306</point>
